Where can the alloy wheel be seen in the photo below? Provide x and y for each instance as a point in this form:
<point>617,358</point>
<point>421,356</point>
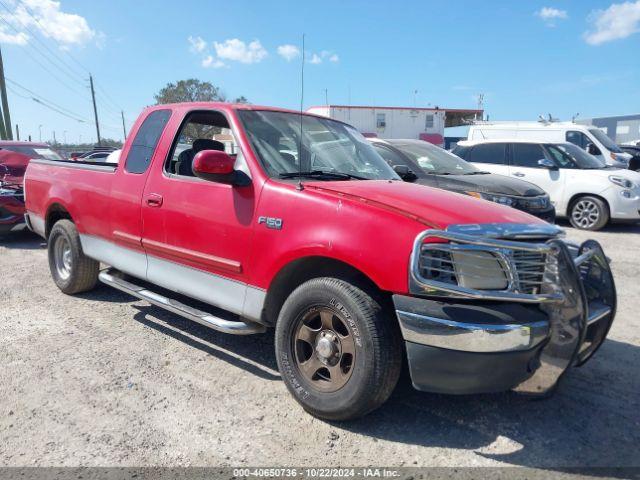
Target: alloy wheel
<point>585,214</point>
<point>324,349</point>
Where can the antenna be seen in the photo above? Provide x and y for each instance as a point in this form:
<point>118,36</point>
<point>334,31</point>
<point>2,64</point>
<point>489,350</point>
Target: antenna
<point>300,187</point>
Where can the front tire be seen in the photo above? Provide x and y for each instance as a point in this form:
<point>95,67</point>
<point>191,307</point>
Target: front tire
<point>72,271</point>
<point>589,213</point>
<point>338,349</point>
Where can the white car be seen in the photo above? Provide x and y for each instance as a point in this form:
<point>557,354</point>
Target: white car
<point>580,185</point>
<point>591,139</point>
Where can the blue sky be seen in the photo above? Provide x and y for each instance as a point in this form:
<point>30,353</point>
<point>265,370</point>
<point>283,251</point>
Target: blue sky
<point>527,57</point>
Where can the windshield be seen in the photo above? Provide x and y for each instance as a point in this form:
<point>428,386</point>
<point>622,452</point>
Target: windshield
<point>435,160</point>
<point>34,152</point>
<point>605,140</point>
<point>568,155</point>
<point>326,146</point>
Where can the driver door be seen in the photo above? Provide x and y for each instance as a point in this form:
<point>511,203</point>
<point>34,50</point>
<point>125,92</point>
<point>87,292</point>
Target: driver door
<point>524,165</point>
<point>197,233</point>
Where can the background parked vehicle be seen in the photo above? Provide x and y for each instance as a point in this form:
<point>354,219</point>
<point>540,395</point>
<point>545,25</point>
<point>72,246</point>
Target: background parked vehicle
<point>421,162</point>
<point>14,158</point>
<point>580,185</point>
<point>591,139</point>
<point>634,151</point>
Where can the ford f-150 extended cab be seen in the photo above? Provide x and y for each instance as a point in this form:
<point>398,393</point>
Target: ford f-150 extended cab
<point>242,217</point>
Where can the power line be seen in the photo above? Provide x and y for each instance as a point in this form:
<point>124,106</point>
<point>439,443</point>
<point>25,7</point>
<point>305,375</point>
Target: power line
<point>31,14</point>
<point>70,73</point>
<point>69,87</point>
<point>31,92</point>
<point>51,107</point>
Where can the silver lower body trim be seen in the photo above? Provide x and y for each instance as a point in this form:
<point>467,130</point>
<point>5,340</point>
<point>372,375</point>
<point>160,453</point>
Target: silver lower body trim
<point>35,223</point>
<point>470,337</point>
<point>231,295</point>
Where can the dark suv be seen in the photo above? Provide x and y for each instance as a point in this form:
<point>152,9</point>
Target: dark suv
<point>424,163</point>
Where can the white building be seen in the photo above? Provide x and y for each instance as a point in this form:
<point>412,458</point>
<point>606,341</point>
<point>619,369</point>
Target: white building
<point>399,122</point>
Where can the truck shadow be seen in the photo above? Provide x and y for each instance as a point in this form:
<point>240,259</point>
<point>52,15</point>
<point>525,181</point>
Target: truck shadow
<point>591,421</point>
<point>253,353</point>
<point>22,240</point>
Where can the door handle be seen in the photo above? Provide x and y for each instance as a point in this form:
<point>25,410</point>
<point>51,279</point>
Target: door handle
<point>154,200</point>
<point>518,174</point>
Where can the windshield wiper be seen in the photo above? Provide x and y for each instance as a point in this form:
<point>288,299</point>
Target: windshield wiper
<point>479,172</point>
<point>321,173</point>
<point>436,173</point>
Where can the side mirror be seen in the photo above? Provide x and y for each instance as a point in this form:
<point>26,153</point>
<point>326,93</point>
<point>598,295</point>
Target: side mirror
<point>217,166</point>
<point>405,173</point>
<point>548,164</point>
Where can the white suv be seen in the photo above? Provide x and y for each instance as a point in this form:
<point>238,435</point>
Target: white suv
<point>580,185</point>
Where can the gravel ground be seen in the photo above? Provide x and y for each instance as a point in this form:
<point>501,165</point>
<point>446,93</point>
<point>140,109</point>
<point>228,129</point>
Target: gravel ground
<point>105,380</point>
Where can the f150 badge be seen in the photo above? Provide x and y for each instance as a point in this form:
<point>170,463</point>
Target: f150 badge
<point>271,222</point>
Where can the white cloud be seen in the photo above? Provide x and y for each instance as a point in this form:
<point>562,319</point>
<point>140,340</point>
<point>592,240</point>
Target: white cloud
<point>318,58</point>
<point>211,62</point>
<point>238,51</point>
<point>549,15</point>
<point>288,52</point>
<point>46,17</point>
<point>618,21</point>
<point>198,45</point>
<point>315,59</point>
<point>19,38</point>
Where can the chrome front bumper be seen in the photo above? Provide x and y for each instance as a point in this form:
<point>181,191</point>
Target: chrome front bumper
<point>546,337</point>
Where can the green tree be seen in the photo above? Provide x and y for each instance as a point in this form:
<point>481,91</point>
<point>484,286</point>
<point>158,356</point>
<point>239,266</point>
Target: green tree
<point>191,90</point>
<point>241,99</point>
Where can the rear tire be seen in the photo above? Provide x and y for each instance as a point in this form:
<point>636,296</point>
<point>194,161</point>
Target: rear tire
<point>72,271</point>
<point>589,213</point>
<point>338,349</point>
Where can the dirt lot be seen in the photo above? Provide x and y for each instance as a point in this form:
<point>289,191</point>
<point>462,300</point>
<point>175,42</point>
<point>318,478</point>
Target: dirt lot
<point>102,379</point>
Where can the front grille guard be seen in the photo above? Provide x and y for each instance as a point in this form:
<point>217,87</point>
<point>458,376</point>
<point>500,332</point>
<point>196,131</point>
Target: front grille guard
<point>502,250</point>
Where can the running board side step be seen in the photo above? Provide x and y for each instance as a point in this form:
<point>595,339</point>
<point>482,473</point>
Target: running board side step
<point>112,278</point>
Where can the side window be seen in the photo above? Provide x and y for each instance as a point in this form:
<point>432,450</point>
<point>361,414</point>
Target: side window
<point>487,153</point>
<point>145,141</point>
<point>380,120</point>
<point>202,130</point>
<point>526,155</point>
<point>577,138</point>
<point>391,157</point>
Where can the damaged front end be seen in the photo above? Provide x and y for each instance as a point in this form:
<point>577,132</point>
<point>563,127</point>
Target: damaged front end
<point>499,306</point>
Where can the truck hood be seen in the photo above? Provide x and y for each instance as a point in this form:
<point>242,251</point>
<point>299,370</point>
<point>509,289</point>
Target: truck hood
<point>433,207</point>
<point>487,183</point>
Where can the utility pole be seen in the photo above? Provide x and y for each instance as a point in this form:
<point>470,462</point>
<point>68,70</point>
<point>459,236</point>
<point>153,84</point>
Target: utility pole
<point>5,103</point>
<point>40,132</point>
<point>18,132</point>
<point>95,109</point>
<point>124,129</point>
<point>54,137</point>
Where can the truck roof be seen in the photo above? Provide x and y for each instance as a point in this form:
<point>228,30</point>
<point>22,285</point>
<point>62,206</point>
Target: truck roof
<point>470,143</point>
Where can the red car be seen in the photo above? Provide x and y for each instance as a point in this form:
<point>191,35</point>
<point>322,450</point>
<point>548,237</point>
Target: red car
<point>14,158</point>
<point>293,221</point>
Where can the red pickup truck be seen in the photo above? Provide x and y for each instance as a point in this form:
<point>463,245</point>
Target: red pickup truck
<point>289,220</point>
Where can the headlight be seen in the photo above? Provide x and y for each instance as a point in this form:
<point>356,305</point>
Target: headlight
<point>501,199</point>
<point>621,182</point>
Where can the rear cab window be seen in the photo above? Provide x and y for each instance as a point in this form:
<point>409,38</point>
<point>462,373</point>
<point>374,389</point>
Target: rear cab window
<point>145,142</point>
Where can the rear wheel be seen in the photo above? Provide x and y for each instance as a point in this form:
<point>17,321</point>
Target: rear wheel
<point>589,213</point>
<point>72,271</point>
<point>338,349</point>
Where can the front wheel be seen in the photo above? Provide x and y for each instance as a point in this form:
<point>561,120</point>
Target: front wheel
<point>589,213</point>
<point>338,350</point>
